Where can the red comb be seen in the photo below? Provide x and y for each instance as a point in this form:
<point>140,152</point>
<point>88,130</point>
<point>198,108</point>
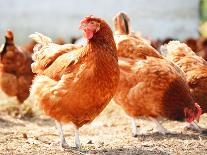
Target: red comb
<point>86,18</point>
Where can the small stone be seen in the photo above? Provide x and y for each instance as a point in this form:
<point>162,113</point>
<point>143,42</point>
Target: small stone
<point>90,142</point>
<point>24,135</point>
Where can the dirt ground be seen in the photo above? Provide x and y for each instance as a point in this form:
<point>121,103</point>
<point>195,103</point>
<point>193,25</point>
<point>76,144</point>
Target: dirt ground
<point>110,134</point>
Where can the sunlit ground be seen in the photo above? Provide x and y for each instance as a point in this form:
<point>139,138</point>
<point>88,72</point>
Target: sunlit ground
<point>109,134</point>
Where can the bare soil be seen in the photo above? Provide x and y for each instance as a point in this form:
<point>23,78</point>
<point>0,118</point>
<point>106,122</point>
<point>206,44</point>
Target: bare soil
<point>110,134</point>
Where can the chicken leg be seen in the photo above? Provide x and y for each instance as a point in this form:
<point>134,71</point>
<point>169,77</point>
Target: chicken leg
<point>134,128</point>
<point>63,142</point>
<point>160,127</point>
<point>77,139</point>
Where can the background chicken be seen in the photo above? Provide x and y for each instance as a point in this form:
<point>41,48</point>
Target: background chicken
<point>149,84</point>
<point>201,47</point>
<point>192,43</point>
<point>195,69</point>
<point>122,26</point>
<point>75,83</point>
<point>15,71</point>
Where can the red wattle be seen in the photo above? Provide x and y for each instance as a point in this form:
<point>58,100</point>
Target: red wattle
<point>88,34</point>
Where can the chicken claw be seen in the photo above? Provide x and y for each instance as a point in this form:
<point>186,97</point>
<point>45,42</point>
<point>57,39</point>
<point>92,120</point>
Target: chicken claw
<point>194,127</point>
<point>64,144</point>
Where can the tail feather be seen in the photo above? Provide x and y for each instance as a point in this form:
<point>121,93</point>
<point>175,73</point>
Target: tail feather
<point>41,88</point>
<point>175,46</point>
<point>40,38</point>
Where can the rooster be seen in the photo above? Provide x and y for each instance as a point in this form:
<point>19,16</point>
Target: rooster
<point>149,84</point>
<point>15,71</point>
<point>195,69</point>
<point>75,83</point>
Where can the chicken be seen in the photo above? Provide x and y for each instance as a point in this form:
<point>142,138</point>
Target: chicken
<point>192,43</point>
<point>156,43</point>
<point>167,40</point>
<point>195,69</point>
<point>74,83</point>
<point>15,71</point>
<point>122,25</point>
<point>149,84</point>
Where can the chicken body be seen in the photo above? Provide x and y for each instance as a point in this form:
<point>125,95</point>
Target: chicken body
<point>195,69</point>
<point>75,83</point>
<point>150,85</point>
<point>15,71</point>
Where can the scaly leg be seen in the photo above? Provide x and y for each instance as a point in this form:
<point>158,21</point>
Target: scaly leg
<point>77,139</point>
<point>160,128</point>
<point>134,128</point>
<point>63,142</point>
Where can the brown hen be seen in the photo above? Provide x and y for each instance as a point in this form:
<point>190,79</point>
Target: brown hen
<point>151,86</point>
<point>15,71</point>
<point>75,83</point>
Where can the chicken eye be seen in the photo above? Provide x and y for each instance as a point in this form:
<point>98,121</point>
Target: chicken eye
<point>92,22</point>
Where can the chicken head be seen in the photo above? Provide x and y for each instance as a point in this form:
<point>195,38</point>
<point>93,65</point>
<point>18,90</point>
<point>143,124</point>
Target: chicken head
<point>90,26</point>
<point>193,115</point>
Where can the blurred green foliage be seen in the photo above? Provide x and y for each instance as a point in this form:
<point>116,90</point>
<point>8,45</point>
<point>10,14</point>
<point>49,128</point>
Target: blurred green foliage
<point>203,11</point>
<point>203,18</point>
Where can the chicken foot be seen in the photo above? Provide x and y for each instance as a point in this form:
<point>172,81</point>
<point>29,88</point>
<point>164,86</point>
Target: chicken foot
<point>194,127</point>
<point>160,127</point>
<point>63,142</point>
